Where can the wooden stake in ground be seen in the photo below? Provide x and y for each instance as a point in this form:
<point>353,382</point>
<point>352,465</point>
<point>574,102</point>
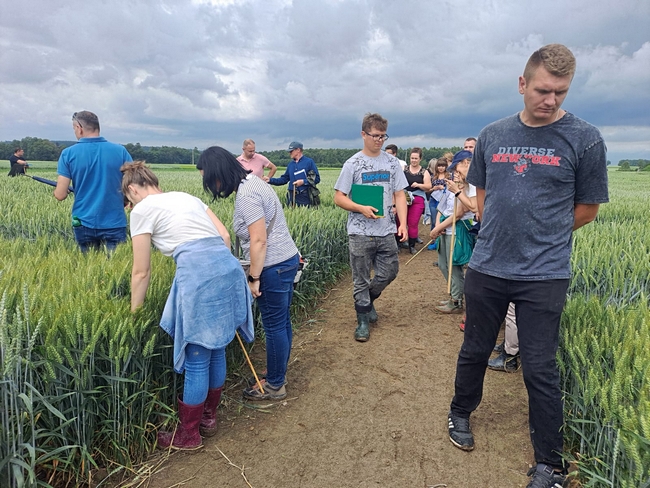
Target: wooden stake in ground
<point>248,360</point>
<point>450,263</point>
<point>416,254</point>
<point>293,203</point>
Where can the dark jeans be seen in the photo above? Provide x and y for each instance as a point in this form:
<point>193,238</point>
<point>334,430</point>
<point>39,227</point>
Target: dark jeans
<point>368,253</point>
<point>538,306</point>
<point>88,238</point>
<point>302,199</point>
<point>276,286</point>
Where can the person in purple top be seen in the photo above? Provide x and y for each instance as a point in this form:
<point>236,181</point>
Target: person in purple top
<point>540,174</point>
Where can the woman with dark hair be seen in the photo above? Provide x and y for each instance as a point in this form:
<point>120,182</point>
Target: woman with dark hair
<point>207,275</point>
<point>259,223</point>
<point>419,182</point>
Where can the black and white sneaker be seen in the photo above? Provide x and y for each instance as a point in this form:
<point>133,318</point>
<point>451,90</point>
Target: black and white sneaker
<point>460,433</point>
<point>544,476</point>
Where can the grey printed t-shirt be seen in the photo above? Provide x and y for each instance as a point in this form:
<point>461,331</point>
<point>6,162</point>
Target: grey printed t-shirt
<point>533,177</point>
<point>383,170</point>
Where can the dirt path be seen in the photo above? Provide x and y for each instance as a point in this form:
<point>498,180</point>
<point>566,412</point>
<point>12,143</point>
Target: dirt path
<point>371,414</point>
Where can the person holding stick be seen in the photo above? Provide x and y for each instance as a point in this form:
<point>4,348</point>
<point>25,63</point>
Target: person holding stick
<point>458,203</point>
<point>301,174</point>
<point>259,223</point>
<point>18,163</point>
<point>93,166</point>
<point>540,175</point>
<point>207,276</point>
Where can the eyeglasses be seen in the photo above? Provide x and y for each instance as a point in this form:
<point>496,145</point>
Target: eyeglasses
<point>378,137</point>
<point>75,119</point>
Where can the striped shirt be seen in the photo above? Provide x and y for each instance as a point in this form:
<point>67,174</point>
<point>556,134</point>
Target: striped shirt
<point>255,200</point>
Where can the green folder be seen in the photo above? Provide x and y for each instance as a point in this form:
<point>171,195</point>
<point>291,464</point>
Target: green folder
<point>372,195</point>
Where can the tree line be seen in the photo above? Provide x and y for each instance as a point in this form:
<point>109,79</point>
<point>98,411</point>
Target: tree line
<point>627,164</point>
<point>45,150</point>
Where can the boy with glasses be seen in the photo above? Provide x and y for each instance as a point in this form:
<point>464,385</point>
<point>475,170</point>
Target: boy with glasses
<point>372,242</point>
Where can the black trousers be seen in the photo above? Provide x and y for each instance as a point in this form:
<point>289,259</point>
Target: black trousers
<point>538,306</point>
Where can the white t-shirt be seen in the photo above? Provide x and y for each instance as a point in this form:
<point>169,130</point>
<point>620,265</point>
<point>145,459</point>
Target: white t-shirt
<point>446,205</point>
<point>172,219</point>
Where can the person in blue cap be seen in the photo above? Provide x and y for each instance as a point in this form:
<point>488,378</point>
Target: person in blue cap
<point>301,174</point>
<point>459,196</point>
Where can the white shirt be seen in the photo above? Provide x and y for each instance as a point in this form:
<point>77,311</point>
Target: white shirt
<point>172,219</point>
<point>446,205</point>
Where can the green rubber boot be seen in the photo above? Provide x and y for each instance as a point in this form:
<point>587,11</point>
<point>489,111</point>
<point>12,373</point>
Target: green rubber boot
<point>372,315</point>
<point>362,332</point>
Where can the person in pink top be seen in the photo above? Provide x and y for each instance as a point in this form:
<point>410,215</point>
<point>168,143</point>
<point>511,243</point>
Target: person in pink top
<point>250,160</point>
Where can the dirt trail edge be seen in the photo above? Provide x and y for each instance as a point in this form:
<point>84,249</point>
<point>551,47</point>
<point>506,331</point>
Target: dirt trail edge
<point>367,414</point>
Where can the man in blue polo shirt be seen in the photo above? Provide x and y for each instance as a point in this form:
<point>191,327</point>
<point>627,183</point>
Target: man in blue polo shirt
<point>301,173</point>
<point>93,166</point>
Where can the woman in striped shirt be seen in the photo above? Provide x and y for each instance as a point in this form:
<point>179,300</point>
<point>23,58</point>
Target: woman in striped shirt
<point>259,223</point>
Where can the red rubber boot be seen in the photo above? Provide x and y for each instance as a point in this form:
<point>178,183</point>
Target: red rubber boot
<point>186,435</point>
<point>209,424</point>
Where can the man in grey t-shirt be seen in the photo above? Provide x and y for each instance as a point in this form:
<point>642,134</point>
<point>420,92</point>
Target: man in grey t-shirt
<point>372,242</point>
<point>540,175</point>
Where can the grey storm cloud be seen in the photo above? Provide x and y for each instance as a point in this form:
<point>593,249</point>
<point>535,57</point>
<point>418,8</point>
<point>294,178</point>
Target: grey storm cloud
<point>198,72</point>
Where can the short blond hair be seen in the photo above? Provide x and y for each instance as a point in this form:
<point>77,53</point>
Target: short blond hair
<point>557,59</point>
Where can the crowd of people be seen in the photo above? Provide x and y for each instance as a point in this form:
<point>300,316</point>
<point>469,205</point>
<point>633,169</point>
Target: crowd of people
<point>503,185</point>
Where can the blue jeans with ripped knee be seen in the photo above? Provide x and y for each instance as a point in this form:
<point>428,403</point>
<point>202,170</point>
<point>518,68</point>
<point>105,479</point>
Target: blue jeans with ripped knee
<point>204,368</point>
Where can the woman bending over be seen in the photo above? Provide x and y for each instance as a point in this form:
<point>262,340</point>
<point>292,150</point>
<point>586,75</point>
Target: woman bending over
<point>208,299</point>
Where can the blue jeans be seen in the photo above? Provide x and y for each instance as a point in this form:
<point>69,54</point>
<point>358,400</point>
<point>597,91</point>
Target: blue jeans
<point>538,308</point>
<point>204,368</point>
<point>276,287</point>
<point>433,210</point>
<point>88,238</point>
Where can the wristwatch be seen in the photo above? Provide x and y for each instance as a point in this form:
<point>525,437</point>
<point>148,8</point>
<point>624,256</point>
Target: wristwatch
<point>253,280</point>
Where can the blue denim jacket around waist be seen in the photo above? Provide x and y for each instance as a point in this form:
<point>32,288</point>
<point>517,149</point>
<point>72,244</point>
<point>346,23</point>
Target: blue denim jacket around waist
<point>209,298</point>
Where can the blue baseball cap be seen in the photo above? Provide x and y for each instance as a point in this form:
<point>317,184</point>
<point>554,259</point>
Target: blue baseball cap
<point>458,157</point>
<point>295,145</point>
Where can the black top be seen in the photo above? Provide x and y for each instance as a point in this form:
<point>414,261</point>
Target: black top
<point>414,178</point>
<point>16,169</point>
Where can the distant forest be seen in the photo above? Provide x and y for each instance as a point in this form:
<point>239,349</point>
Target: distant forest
<point>45,150</point>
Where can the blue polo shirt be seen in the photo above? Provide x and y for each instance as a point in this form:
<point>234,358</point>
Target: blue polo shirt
<point>93,165</point>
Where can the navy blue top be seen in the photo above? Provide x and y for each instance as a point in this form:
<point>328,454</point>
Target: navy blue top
<point>297,171</point>
<point>533,177</point>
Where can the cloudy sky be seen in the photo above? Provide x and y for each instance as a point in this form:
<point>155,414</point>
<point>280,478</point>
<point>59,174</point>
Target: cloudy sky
<point>201,72</point>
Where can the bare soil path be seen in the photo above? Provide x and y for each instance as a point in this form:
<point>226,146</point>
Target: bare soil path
<point>367,414</point>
